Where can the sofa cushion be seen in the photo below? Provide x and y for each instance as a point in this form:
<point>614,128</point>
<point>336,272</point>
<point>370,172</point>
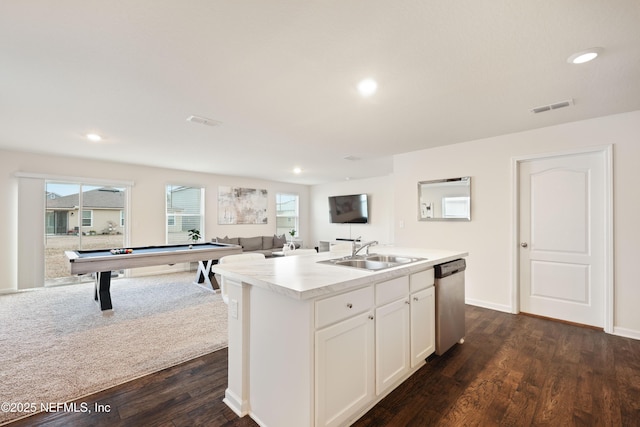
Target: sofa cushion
<point>279,241</point>
<point>226,239</point>
<point>267,242</point>
<point>251,243</point>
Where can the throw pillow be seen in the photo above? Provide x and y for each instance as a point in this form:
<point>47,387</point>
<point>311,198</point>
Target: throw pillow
<point>267,242</point>
<point>226,239</point>
<point>279,241</point>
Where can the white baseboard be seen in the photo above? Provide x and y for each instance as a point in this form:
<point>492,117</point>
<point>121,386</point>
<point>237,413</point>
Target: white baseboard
<point>237,405</point>
<point>627,333</point>
<point>489,305</point>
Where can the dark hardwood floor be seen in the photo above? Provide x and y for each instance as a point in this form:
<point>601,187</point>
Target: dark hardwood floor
<point>512,370</point>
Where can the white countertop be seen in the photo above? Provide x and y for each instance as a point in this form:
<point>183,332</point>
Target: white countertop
<point>302,277</point>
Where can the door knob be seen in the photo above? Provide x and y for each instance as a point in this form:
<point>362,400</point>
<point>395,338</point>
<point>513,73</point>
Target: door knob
<point>524,244</point>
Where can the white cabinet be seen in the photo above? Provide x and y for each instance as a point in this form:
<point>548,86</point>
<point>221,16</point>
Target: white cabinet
<point>405,326</point>
<point>423,316</point>
<point>343,306</point>
<point>423,327</point>
<point>369,340</point>
<point>422,280</point>
<point>392,331</point>
<point>392,343</point>
<point>344,369</point>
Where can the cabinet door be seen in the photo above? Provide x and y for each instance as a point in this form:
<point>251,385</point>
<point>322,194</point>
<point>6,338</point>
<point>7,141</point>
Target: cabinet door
<point>344,374</point>
<point>422,280</point>
<point>392,343</point>
<point>423,327</point>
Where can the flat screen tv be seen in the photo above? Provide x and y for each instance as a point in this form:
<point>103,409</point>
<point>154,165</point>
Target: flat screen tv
<point>351,209</point>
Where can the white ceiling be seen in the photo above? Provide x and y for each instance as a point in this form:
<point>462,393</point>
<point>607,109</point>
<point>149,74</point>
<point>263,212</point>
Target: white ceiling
<point>280,76</point>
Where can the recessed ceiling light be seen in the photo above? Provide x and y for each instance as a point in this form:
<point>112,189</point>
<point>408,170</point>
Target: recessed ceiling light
<point>94,137</point>
<point>367,87</point>
<point>297,170</point>
<point>584,56</point>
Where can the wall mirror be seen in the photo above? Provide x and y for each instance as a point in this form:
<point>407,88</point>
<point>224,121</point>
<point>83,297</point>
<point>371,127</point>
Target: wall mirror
<point>445,199</point>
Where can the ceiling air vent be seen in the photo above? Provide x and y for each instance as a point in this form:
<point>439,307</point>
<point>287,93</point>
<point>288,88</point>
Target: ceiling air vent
<point>554,106</point>
<point>203,121</point>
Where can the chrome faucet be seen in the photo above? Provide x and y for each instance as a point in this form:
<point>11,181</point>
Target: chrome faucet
<point>353,245</point>
<point>355,251</point>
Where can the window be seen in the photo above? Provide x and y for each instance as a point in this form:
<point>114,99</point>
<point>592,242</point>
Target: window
<point>287,214</point>
<point>185,211</point>
<point>80,215</point>
<point>455,207</point>
<point>50,211</point>
<point>87,218</point>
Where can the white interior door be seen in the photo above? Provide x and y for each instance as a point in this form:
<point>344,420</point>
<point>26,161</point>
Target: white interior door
<point>563,242</point>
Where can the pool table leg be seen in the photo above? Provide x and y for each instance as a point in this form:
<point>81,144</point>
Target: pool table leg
<point>103,286</point>
<point>204,273</point>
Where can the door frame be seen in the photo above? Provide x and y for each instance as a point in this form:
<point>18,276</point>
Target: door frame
<point>607,151</point>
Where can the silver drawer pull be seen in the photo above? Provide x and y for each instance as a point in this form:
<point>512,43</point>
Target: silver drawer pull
<point>415,298</point>
<point>349,305</point>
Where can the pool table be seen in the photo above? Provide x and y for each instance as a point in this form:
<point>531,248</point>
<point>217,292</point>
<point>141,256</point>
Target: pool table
<point>103,261</point>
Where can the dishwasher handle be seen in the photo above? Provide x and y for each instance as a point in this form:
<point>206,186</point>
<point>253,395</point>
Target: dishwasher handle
<point>449,268</point>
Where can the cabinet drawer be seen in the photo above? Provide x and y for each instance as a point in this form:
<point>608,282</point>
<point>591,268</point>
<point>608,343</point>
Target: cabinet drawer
<point>422,280</point>
<point>392,289</point>
<point>342,306</point>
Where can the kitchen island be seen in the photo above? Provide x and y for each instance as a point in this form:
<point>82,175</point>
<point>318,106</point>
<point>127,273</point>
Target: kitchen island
<point>312,344</point>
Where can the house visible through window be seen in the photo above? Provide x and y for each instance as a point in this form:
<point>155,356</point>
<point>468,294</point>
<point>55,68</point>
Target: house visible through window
<point>287,214</point>
<point>185,211</point>
<point>87,218</point>
<point>80,216</point>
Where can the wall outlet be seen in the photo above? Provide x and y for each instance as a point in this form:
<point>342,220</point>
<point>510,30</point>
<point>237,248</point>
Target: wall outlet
<point>233,308</point>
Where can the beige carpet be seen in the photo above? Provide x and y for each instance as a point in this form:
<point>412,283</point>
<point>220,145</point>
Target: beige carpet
<point>56,345</point>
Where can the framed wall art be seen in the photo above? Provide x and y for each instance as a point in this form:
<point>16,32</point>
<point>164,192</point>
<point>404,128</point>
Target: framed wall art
<point>238,205</point>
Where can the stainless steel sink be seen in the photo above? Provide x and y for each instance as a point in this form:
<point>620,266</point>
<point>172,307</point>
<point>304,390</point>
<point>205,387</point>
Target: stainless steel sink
<point>371,262</point>
<point>364,263</point>
<point>392,258</point>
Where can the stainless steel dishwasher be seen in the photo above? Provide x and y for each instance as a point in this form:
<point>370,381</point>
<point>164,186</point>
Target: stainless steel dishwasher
<point>449,284</point>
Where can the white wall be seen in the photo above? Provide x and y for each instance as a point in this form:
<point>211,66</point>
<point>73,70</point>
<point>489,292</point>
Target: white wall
<point>488,236</point>
<point>147,222</point>
<point>393,199</point>
<point>380,198</point>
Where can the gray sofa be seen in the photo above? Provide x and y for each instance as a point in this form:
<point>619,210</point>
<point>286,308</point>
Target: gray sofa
<point>260,244</point>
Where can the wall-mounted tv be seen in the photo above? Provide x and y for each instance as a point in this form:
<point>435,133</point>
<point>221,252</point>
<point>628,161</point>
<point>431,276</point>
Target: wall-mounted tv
<point>351,209</point>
